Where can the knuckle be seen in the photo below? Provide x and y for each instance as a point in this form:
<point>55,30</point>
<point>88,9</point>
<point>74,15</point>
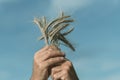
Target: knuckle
<point>65,72</point>
<point>69,63</point>
<point>55,76</point>
<point>67,68</point>
<point>49,54</point>
<point>58,53</point>
<point>37,58</point>
<point>36,55</point>
<point>52,69</point>
<point>53,53</point>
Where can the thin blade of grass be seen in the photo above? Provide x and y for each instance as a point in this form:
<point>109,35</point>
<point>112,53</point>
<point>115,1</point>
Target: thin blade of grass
<point>41,27</point>
<point>58,29</point>
<point>61,22</point>
<point>54,21</point>
<point>64,40</point>
<point>40,38</point>
<point>44,20</point>
<point>69,31</point>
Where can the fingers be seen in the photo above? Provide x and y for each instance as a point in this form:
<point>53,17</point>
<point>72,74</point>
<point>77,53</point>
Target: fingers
<point>51,54</point>
<point>53,61</point>
<point>41,51</point>
<point>44,48</point>
<point>65,71</point>
<point>59,76</point>
<point>55,70</point>
<point>48,56</point>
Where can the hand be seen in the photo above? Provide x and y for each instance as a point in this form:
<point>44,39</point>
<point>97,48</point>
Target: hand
<point>44,59</point>
<point>64,71</point>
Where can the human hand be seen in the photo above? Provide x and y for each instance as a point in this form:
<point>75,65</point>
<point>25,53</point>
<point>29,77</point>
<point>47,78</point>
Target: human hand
<point>44,59</point>
<point>64,71</point>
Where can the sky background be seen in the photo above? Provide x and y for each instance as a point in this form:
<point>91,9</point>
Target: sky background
<point>96,36</point>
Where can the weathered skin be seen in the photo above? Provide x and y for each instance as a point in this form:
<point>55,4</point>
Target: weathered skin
<point>45,61</point>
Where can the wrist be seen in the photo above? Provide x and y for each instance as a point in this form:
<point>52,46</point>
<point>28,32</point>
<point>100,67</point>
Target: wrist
<point>38,74</point>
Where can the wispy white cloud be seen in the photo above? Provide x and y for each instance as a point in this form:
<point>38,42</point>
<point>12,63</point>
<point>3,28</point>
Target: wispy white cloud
<point>71,4</point>
<point>68,5</point>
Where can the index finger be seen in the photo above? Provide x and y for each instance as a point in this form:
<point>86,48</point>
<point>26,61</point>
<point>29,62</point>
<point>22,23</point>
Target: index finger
<point>44,48</point>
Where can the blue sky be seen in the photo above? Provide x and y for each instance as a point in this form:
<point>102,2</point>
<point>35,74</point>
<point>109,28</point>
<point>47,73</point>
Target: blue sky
<point>96,36</point>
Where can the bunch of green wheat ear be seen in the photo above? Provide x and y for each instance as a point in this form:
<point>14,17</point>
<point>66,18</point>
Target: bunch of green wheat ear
<point>53,32</point>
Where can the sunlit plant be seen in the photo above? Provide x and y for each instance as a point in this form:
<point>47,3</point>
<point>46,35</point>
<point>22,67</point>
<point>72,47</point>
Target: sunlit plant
<point>53,31</point>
